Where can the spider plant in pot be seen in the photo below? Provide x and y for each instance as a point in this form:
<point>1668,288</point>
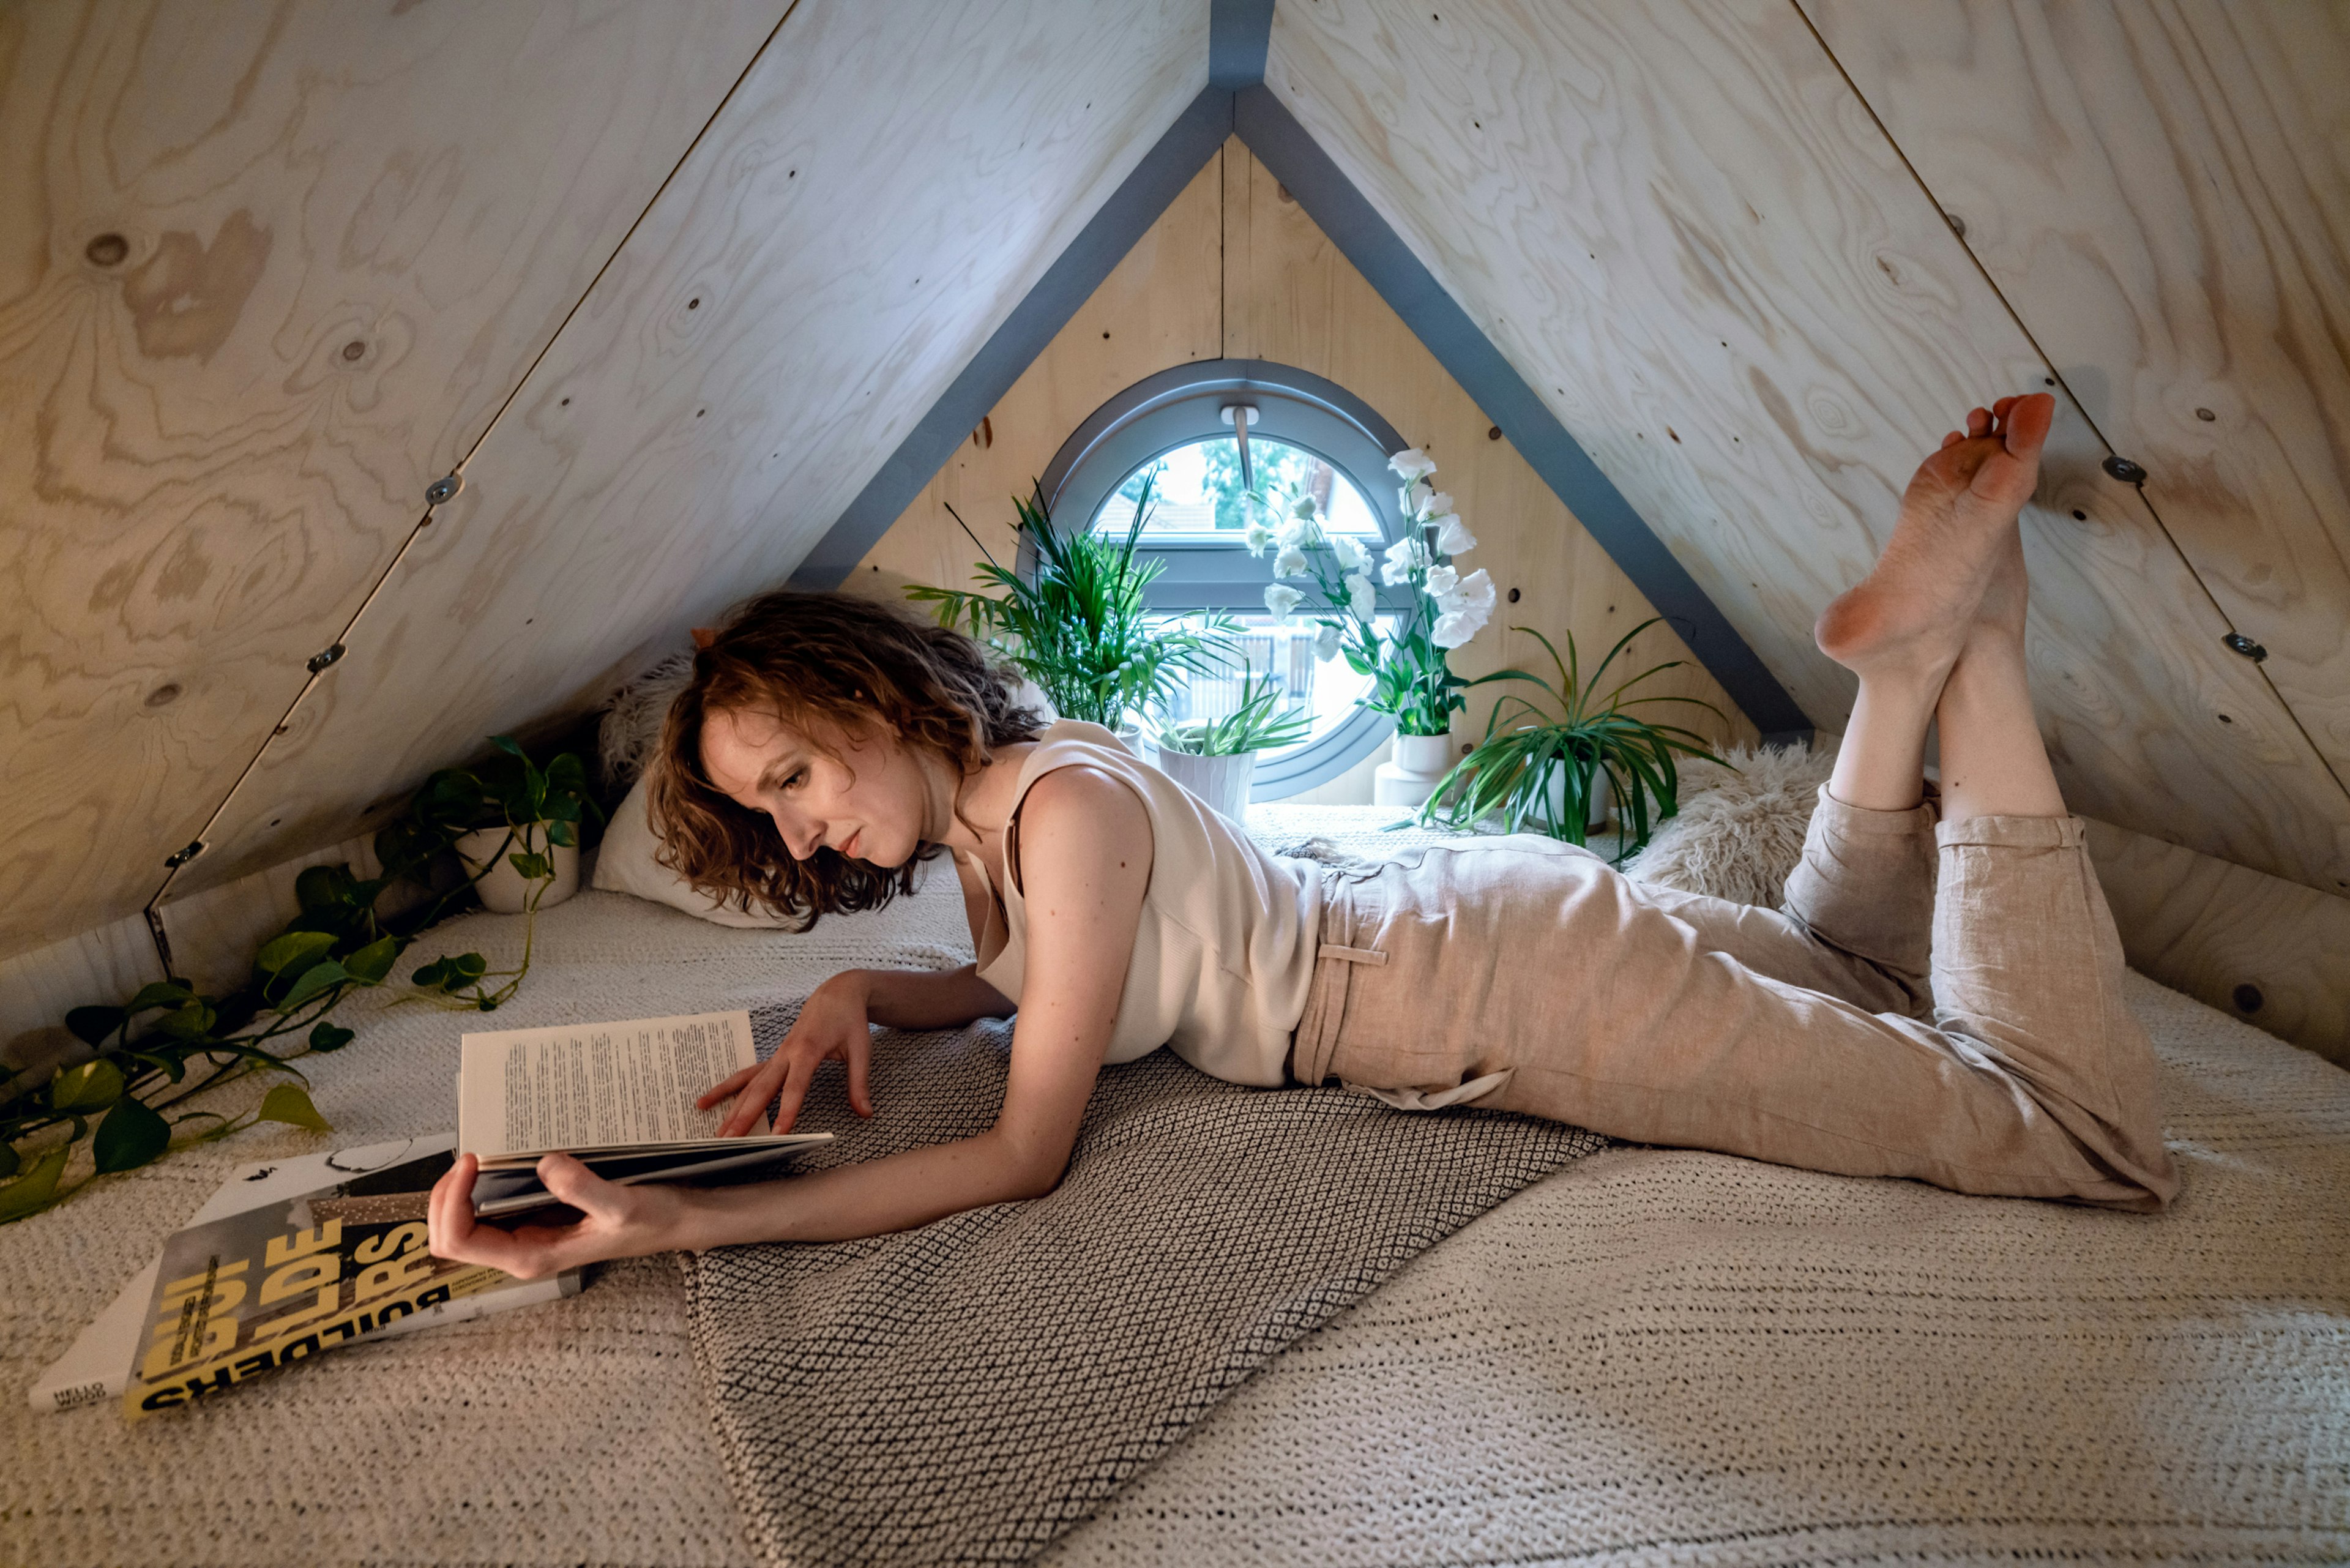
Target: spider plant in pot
<point>1215,759</point>
<point>1077,624</point>
<point>1541,764</point>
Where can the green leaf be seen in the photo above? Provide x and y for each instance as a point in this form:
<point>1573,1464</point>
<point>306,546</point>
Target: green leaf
<point>373,961</point>
<point>510,746</point>
<point>92,1086</point>
<point>430,975</point>
<point>469,967</point>
<point>533,868</point>
<point>9,1160</point>
<point>314,980</point>
<point>33,1189</point>
<point>131,1136</point>
<point>563,834</point>
<point>96,1025</point>
<point>287,952</point>
<point>326,1036</point>
<point>161,993</point>
<point>323,888</point>
<point>192,1020</point>
<point>290,1104</point>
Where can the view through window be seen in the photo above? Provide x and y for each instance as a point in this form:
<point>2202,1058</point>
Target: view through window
<point>1196,501</point>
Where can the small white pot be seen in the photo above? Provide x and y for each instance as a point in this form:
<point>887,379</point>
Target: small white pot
<point>1410,776</point>
<point>1601,796</point>
<point>1129,735</point>
<point>504,889</point>
<point>1221,782</point>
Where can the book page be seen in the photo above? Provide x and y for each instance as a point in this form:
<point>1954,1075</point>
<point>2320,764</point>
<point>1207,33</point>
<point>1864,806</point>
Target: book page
<point>585,1086</point>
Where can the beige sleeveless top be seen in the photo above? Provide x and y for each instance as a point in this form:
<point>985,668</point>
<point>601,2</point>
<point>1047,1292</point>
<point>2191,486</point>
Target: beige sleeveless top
<point>1229,932</point>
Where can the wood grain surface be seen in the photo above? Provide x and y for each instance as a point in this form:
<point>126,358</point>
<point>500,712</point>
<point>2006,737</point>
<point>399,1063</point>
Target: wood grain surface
<point>2271,952</point>
<point>882,188</point>
<point>1235,267</point>
<point>1684,229</point>
<point>101,967</point>
<point>266,271</point>
<point>2161,189</point>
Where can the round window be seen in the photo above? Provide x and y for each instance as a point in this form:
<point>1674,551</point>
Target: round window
<point>1182,433</point>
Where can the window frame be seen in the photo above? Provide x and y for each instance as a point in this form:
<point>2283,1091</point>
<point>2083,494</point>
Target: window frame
<point>1179,406</point>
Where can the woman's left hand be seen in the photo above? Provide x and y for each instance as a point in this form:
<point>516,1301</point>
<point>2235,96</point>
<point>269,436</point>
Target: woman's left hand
<point>616,1221</point>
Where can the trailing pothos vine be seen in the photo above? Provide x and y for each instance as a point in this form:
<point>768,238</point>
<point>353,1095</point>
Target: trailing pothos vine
<point>159,1049</point>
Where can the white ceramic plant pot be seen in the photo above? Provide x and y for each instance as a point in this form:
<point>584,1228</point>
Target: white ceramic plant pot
<point>1129,735</point>
<point>1601,796</point>
<point>1409,777</point>
<point>502,888</point>
<point>1221,782</point>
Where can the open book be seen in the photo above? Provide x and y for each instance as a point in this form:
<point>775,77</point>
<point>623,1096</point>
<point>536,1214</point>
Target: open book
<point>619,1097</point>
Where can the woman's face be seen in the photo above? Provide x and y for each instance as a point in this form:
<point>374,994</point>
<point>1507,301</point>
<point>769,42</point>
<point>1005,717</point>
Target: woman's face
<point>866,797</point>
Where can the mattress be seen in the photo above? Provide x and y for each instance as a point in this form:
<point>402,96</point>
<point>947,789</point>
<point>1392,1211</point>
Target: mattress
<point>1654,1355</point>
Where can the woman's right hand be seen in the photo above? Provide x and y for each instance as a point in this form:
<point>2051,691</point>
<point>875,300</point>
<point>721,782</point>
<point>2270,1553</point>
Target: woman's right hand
<point>832,1027</point>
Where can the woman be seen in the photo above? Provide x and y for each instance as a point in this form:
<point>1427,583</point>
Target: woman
<point>825,744</point>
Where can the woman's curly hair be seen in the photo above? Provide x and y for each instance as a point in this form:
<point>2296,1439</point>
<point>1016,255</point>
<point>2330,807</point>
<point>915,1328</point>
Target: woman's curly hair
<point>819,656</point>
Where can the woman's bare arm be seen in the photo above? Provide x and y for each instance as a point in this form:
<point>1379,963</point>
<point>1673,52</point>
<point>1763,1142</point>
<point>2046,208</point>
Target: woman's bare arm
<point>930,999</point>
<point>1085,865</point>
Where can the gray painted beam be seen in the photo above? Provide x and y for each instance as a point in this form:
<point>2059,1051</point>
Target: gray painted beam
<point>1355,226</point>
<point>1240,32</point>
<point>1067,284</point>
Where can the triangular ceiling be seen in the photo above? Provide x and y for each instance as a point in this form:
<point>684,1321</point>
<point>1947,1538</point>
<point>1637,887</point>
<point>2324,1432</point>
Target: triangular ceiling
<point>664,311</point>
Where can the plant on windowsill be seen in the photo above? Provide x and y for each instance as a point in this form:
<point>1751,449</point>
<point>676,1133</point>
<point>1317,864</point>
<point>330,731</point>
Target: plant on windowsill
<point>1408,666</point>
<point>1539,771</point>
<point>1078,625</point>
<point>168,1043</point>
<point>1215,759</point>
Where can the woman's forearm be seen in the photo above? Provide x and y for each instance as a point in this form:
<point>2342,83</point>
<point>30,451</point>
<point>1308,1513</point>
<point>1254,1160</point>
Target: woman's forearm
<point>930,999</point>
<point>853,1201</point>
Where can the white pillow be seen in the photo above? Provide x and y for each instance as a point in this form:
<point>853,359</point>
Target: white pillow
<point>626,865</point>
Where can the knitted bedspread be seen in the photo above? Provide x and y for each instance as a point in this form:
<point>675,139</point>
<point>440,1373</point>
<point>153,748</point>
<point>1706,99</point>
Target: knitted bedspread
<point>1650,1357</point>
<point>966,1391</point>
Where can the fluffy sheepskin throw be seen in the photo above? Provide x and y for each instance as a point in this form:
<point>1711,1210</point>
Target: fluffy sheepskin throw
<point>1740,827</point>
<point>633,723</point>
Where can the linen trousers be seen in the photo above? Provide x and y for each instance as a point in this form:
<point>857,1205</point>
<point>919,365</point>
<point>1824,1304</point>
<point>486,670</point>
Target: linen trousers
<point>1965,1029</point>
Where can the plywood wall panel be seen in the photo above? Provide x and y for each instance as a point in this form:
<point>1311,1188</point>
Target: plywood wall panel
<point>1683,228</point>
<point>880,192</point>
<point>1292,297</point>
<point>265,272</point>
<point>1161,306</point>
<point>2161,189</point>
<point>105,966</point>
<point>2271,952</point>
<point>1236,269</point>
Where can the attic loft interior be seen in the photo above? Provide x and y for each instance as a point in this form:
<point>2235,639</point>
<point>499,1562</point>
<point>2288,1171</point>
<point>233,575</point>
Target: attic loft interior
<point>1690,902</point>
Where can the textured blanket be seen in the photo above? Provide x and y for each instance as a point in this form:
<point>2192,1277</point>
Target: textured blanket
<point>967,1391</point>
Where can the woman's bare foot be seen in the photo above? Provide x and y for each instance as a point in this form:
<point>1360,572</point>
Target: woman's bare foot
<point>1955,544</point>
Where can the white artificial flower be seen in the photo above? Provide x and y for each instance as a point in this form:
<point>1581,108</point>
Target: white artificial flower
<point>1466,609</point>
<point>1360,597</point>
<point>1326,641</point>
<point>1439,504</point>
<point>1453,536</point>
<point>1413,498</point>
<point>1440,581</point>
<point>1296,534</point>
<point>1352,557</point>
<point>1290,563</point>
<point>1304,508</point>
<point>1405,556</point>
<point>1281,598</point>
<point>1259,538</point>
<point>1411,462</point>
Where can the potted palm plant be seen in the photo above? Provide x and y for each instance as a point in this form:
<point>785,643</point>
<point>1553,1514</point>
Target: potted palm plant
<point>1215,759</point>
<point>1543,768</point>
<point>1078,624</point>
